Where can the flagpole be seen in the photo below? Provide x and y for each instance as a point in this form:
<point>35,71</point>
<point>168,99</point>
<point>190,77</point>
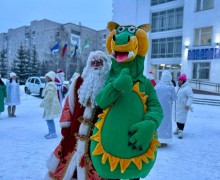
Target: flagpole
<point>66,67</point>
<point>78,61</point>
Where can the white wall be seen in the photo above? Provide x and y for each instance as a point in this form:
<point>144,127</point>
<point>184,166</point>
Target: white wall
<point>130,12</point>
<point>137,12</point>
<point>201,19</point>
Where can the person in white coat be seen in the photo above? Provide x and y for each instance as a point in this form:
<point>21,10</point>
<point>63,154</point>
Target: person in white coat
<point>13,94</point>
<point>51,104</point>
<point>166,95</point>
<point>183,104</point>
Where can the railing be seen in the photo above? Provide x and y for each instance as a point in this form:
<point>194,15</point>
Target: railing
<point>203,101</point>
<point>205,86</point>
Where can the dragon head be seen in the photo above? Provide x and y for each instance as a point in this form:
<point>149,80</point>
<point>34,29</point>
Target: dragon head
<point>124,43</point>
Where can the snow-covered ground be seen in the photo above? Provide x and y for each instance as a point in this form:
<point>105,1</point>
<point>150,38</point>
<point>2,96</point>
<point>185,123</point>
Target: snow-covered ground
<point>24,150</point>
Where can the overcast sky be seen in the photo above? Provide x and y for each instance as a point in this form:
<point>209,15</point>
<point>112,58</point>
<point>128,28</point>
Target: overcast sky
<point>91,13</point>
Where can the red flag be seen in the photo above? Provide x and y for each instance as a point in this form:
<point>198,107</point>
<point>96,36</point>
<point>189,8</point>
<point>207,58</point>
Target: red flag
<point>64,50</point>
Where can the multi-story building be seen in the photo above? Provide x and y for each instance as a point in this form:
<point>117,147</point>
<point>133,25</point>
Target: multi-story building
<point>45,34</point>
<point>184,38</point>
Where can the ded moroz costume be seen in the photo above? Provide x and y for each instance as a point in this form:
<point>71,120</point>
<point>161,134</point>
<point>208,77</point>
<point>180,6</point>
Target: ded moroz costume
<point>71,158</point>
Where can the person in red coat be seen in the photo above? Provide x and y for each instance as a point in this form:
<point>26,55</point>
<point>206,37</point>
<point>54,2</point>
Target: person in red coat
<point>79,114</point>
<point>59,80</point>
<point>151,77</point>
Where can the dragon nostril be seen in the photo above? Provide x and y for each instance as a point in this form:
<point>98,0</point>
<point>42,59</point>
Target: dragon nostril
<point>128,38</point>
<point>114,37</point>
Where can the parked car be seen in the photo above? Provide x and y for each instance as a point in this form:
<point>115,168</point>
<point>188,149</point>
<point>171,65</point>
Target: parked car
<point>34,85</point>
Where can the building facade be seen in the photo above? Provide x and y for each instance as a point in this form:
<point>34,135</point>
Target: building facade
<point>45,34</point>
<point>184,37</point>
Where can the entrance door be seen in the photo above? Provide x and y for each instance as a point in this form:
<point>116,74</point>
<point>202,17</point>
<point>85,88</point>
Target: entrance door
<point>175,70</point>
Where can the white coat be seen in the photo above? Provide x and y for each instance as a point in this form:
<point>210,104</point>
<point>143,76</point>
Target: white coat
<point>50,103</point>
<point>166,95</point>
<point>13,93</point>
<point>184,98</point>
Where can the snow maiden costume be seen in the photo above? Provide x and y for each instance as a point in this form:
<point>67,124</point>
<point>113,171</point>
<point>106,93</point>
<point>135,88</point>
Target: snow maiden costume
<point>124,142</point>
<point>166,95</point>
<point>13,94</point>
<point>71,158</point>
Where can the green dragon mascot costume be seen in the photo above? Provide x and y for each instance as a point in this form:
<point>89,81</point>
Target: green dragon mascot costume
<point>124,141</point>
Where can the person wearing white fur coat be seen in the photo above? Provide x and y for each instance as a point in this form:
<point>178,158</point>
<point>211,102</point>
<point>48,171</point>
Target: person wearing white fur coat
<point>13,94</point>
<point>51,104</point>
<point>166,95</point>
<point>71,158</point>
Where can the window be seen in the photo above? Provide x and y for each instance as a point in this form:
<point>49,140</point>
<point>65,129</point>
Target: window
<point>201,70</point>
<point>167,20</point>
<point>75,32</point>
<point>203,36</point>
<point>32,80</point>
<point>167,47</point>
<point>202,5</point>
<point>156,2</point>
<point>37,81</point>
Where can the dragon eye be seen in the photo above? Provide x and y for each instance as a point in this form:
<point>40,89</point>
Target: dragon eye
<point>131,29</point>
<point>121,29</point>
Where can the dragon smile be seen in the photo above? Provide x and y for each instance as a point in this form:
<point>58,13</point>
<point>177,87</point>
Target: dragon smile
<point>122,56</point>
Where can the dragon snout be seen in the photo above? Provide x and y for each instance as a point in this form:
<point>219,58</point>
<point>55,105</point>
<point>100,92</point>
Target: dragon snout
<point>118,39</point>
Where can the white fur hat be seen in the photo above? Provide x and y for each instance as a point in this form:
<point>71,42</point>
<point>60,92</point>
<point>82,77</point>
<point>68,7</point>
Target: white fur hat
<point>51,75</point>
<point>166,76</point>
<point>12,74</point>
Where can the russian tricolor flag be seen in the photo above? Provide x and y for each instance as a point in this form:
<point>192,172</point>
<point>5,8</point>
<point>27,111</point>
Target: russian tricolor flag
<point>64,50</point>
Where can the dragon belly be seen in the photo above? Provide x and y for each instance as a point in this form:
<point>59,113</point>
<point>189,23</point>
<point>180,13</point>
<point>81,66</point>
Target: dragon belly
<point>127,111</point>
<point>110,153</point>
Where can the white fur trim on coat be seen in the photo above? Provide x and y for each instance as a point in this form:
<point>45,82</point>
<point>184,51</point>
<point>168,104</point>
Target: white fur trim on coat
<point>81,149</point>
<point>71,168</point>
<point>88,112</point>
<point>81,145</point>
<point>65,124</point>
<point>52,162</point>
<point>71,94</point>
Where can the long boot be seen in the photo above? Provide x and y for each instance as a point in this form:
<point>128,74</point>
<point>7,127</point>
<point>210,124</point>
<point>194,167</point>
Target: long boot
<point>9,111</point>
<point>13,111</point>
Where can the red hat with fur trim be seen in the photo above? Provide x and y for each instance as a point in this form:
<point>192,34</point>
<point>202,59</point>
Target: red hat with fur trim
<point>182,77</point>
<point>60,71</point>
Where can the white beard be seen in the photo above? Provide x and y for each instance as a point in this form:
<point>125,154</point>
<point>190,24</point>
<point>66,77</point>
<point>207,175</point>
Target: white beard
<point>93,81</point>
